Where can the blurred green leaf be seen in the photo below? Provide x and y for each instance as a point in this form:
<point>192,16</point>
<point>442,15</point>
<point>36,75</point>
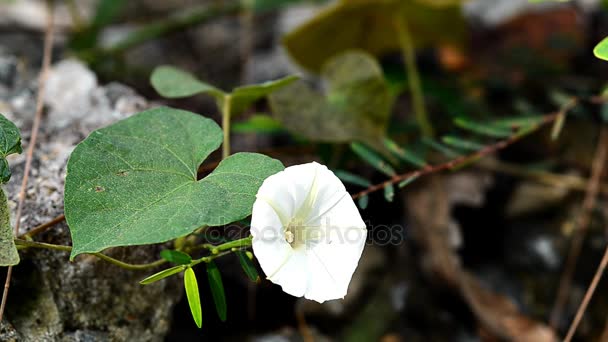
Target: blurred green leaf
<point>356,106</point>
<point>558,125</point>
<point>483,129</point>
<point>460,143</point>
<point>217,290</point>
<point>172,82</point>
<point>373,159</point>
<point>176,257</point>
<point>403,154</point>
<point>407,182</point>
<point>348,177</point>
<point>258,123</point>
<point>194,299</point>
<point>248,266</point>
<point>601,49</point>
<point>389,192</point>
<point>363,202</point>
<point>437,146</point>
<point>368,25</point>
<point>162,275</point>
<point>243,97</point>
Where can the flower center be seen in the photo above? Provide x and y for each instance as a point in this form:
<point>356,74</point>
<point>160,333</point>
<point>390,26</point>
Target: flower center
<point>298,235</point>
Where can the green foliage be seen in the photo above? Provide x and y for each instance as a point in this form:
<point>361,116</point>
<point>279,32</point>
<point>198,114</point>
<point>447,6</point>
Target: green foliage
<point>369,25</point>
<point>8,251</point>
<point>482,128</point>
<point>348,177</point>
<point>193,295</point>
<point>389,192</point>
<point>10,143</point>
<point>248,266</point>
<point>217,290</point>
<point>162,274</point>
<point>172,82</point>
<point>106,13</point>
<point>260,124</point>
<point>407,182</point>
<point>405,155</point>
<point>176,257</point>
<point>363,202</point>
<point>135,182</point>
<point>356,107</point>
<point>373,159</point>
<point>461,143</point>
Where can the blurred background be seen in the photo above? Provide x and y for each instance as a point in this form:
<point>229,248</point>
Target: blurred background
<point>476,253</point>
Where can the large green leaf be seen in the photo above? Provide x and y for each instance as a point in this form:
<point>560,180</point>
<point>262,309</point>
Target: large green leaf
<point>10,143</point>
<point>172,82</point>
<point>8,251</point>
<point>369,25</point>
<point>356,106</point>
<point>135,182</point>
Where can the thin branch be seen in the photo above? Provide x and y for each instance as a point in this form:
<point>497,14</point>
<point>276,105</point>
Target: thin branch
<point>46,62</point>
<point>487,150</point>
<point>582,224</point>
<point>43,227</point>
<point>584,219</point>
<point>581,310</point>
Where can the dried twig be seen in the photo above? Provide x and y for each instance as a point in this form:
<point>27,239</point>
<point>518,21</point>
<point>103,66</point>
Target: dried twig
<point>582,224</point>
<point>43,227</point>
<point>46,62</point>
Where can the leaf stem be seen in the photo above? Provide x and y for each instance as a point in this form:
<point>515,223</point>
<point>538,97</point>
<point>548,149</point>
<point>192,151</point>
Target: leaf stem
<point>226,108</point>
<point>122,264</point>
<point>413,76</point>
<point>240,243</point>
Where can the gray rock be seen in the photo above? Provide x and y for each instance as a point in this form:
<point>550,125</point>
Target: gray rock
<point>52,299</point>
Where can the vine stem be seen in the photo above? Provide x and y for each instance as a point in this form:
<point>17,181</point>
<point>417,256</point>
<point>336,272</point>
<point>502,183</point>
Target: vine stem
<point>582,224</point>
<point>46,62</point>
<point>487,150</point>
<point>226,108</point>
<point>413,76</point>
<point>119,263</point>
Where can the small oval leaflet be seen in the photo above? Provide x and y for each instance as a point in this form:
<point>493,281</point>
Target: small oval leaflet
<point>194,299</point>
<point>217,290</point>
<point>176,257</point>
<point>162,275</point>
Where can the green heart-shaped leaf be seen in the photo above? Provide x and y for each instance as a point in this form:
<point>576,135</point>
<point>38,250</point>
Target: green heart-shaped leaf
<point>135,182</point>
<point>357,104</point>
<point>10,142</point>
<point>369,25</point>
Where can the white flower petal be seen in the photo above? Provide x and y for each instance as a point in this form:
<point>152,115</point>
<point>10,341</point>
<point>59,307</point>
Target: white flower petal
<point>293,275</point>
<point>333,262</point>
<point>287,190</point>
<point>268,243</point>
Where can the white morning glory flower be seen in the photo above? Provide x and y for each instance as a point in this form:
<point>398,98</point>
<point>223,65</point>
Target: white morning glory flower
<point>307,232</point>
